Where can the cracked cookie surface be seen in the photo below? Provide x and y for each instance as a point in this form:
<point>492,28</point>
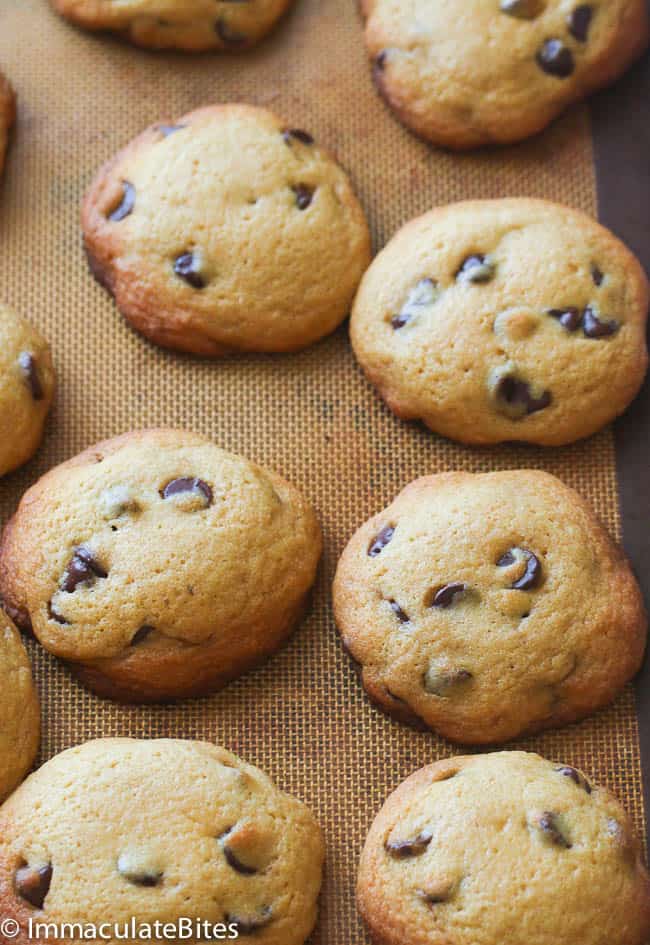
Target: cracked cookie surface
<point>19,711</point>
<point>159,565</point>
<point>499,320</point>
<point>161,830</point>
<point>227,230</point>
<point>496,71</point>
<point>506,847</point>
<point>487,606</point>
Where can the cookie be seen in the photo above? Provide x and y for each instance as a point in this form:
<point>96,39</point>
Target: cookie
<point>19,711</point>
<point>159,565</point>
<point>7,116</point>
<point>507,848</point>
<point>186,25</point>
<point>499,320</point>
<point>27,382</point>
<point>226,230</point>
<point>489,605</point>
<point>497,71</point>
<point>159,830</point>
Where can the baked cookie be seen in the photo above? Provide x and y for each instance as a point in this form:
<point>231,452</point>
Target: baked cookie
<point>27,384</point>
<point>159,830</point>
<point>225,231</point>
<point>188,25</point>
<point>159,565</point>
<point>487,606</point>
<point>7,116</point>
<point>503,848</point>
<point>19,712</point>
<point>499,320</point>
<point>497,71</point>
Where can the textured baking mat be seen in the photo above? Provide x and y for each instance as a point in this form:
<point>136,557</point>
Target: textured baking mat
<point>311,416</point>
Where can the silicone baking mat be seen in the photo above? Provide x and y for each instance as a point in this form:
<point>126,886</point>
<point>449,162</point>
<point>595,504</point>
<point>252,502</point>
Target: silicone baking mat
<point>311,416</point>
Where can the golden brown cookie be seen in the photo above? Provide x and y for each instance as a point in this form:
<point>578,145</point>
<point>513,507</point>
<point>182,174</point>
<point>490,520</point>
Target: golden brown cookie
<point>512,319</point>
<point>227,230</point>
<point>503,849</point>
<point>19,712</point>
<point>159,565</point>
<point>7,116</point>
<point>161,831</point>
<point>489,605</point>
<point>496,71</point>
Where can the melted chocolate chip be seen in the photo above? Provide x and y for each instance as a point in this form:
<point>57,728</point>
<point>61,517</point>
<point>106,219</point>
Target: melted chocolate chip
<point>83,568</point>
<point>380,61</point>
<point>440,682</point>
<point>517,397</point>
<point>168,130</point>
<point>33,885</point>
<point>533,570</point>
<point>593,327</point>
<point>522,9</point>
<point>569,318</point>
<point>424,293</point>
<point>186,484</point>
<point>303,136</point>
<point>304,195</point>
<point>549,824</point>
<point>227,34</point>
<point>380,541</point>
<point>597,275</point>
<point>126,205</point>
<point>444,596</point>
<point>141,634</point>
<point>246,925</point>
<point>28,366</point>
<point>555,59</point>
<point>402,849</point>
<point>476,269</point>
<point>397,610</point>
<point>53,614</point>
<point>575,776</point>
<point>579,22</point>
<point>234,861</point>
<point>186,267</point>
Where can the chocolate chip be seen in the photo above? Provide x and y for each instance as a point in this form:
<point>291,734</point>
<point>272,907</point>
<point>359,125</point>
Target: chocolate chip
<point>580,21</point>
<point>380,541</point>
<point>126,205</point>
<point>424,293</point>
<point>439,682</point>
<point>33,884</point>
<point>594,327</point>
<point>83,568</point>
<point>532,571</point>
<point>168,130</point>
<point>397,610</point>
<point>575,776</point>
<point>402,849</point>
<point>196,487</point>
<point>597,275</point>
<point>304,195</point>
<point>186,267</point>
<point>549,824</point>
<point>444,596</point>
<point>380,61</point>
<point>522,9</point>
<point>53,614</point>
<point>132,869</point>
<point>516,399</point>
<point>227,34</point>
<point>569,317</point>
<point>303,136</point>
<point>246,925</point>
<point>555,59</point>
<point>28,366</point>
<point>141,634</point>
<point>476,269</point>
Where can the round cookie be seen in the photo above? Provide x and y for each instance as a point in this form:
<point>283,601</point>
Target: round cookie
<point>159,565</point>
<point>19,711</point>
<point>27,382</point>
<point>7,116</point>
<point>499,320</point>
<point>227,231</point>
<point>497,71</point>
<point>506,847</point>
<point>489,605</point>
<point>187,25</point>
<point>159,830</point>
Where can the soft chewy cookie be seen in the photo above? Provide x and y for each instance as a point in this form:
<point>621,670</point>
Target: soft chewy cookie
<point>159,831</point>
<point>490,605</point>
<point>226,230</point>
<point>502,320</point>
<point>188,25</point>
<point>7,116</point>
<point>159,565</point>
<point>503,848</point>
<point>496,71</point>
<point>19,712</point>
<point>27,384</point>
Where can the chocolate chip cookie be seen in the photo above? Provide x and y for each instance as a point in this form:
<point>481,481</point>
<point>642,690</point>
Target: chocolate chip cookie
<point>497,71</point>
<point>487,606</point>
<point>159,830</point>
<point>497,320</point>
<point>227,230</point>
<point>27,384</point>
<point>19,712</point>
<point>159,565</point>
<point>7,116</point>
<point>187,25</point>
<point>503,848</point>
